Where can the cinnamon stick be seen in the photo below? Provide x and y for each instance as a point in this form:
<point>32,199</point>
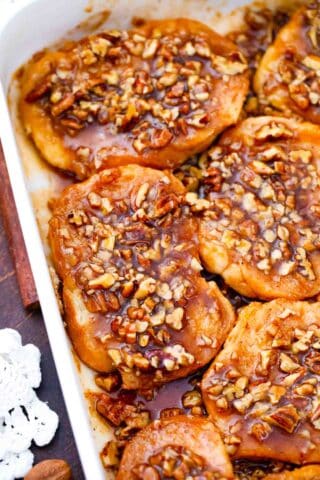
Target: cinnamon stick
<point>16,242</point>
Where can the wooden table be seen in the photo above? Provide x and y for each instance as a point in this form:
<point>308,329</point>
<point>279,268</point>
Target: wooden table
<point>31,327</point>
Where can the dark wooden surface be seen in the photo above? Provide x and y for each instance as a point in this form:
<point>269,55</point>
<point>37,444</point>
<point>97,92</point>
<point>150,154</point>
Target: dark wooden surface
<point>31,327</point>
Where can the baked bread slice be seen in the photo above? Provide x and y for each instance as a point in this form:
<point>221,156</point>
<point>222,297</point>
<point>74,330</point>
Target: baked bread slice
<point>287,77</point>
<point>125,246</point>
<point>311,472</point>
<point>153,96</point>
<point>180,447</point>
<point>260,225</point>
<point>262,390</point>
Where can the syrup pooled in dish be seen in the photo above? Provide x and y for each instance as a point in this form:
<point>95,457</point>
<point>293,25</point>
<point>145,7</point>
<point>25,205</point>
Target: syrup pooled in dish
<point>249,469</point>
<point>262,390</point>
<point>178,448</point>
<point>260,209</point>
<point>125,245</point>
<point>154,96</point>
<point>288,75</point>
<point>127,411</point>
<point>311,472</point>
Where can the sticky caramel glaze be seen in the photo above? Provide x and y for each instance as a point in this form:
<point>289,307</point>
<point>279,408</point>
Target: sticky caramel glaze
<point>188,446</point>
<point>154,96</point>
<point>311,472</point>
<point>260,27</point>
<point>125,245</point>
<point>287,77</point>
<point>170,398</point>
<point>262,389</point>
<point>259,209</point>
<point>181,396</point>
<point>256,470</point>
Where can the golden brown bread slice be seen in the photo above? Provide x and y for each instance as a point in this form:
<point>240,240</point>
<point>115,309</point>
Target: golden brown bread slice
<point>288,75</point>
<point>125,245</point>
<point>311,472</point>
<point>262,390</point>
<point>260,212</point>
<point>154,96</point>
<point>179,448</point>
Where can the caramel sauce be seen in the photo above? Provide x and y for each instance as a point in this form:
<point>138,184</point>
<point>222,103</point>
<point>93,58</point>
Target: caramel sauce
<point>255,470</point>
<point>257,34</point>
<point>168,396</point>
<point>97,137</point>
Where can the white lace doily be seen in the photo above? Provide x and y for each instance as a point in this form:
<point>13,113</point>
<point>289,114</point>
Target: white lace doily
<point>23,417</point>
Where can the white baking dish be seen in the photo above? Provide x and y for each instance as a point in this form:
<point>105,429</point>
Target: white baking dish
<point>26,26</point>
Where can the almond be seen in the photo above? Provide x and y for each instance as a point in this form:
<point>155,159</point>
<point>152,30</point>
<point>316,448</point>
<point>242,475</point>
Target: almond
<point>50,470</point>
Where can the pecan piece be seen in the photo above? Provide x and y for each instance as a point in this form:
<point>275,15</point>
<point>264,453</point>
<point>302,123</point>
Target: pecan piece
<point>286,417</point>
<point>171,412</point>
<point>39,91</point>
<point>313,362</point>
<point>260,430</point>
<point>115,411</point>
<point>214,179</point>
<point>165,204</point>
<point>63,105</point>
<point>108,382</point>
<point>110,455</point>
<point>160,138</point>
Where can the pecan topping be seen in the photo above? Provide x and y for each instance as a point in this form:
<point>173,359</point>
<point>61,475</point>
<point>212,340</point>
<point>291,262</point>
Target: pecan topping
<point>286,417</point>
<point>261,191</point>
<point>150,88</point>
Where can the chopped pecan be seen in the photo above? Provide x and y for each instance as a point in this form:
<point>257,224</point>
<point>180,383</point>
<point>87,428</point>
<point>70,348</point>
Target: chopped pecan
<point>63,105</point>
<point>286,417</point>
<point>160,138</point>
<point>39,91</point>
<point>260,430</point>
<point>288,365</point>
<point>114,410</point>
<point>273,130</point>
<point>312,360</point>
<point>110,455</point>
<point>108,382</point>
<point>170,412</point>
<point>214,179</point>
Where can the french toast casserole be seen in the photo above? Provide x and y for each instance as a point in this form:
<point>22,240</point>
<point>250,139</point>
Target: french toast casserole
<point>187,244</point>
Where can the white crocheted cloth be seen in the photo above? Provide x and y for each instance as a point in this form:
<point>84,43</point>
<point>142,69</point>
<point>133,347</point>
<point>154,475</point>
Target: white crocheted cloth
<point>23,417</point>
